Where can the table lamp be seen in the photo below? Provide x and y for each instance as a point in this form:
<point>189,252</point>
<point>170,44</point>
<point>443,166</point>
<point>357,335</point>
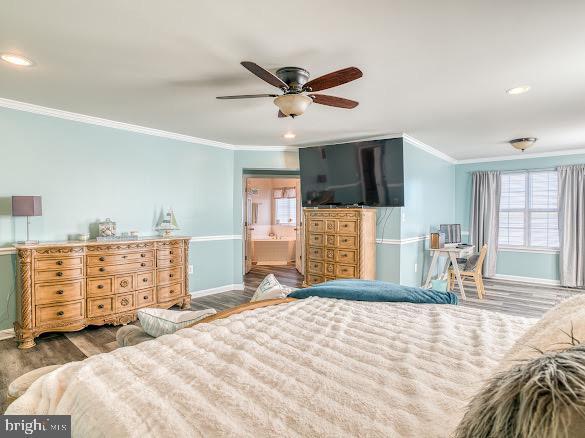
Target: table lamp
<point>27,206</point>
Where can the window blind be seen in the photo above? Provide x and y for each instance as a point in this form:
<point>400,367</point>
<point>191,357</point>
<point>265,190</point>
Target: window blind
<point>285,211</point>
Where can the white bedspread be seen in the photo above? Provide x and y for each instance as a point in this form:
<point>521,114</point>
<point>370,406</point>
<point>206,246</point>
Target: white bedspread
<point>314,367</point>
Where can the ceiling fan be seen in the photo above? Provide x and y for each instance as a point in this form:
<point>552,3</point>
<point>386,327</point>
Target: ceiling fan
<point>294,82</point>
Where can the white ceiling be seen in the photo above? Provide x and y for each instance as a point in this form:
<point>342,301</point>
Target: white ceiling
<point>435,70</point>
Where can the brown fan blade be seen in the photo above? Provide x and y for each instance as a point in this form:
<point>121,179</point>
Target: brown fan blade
<point>338,102</point>
<point>247,96</point>
<point>281,114</point>
<point>264,74</point>
<point>333,79</point>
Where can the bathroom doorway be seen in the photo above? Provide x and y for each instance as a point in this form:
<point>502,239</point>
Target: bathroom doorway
<point>273,232</point>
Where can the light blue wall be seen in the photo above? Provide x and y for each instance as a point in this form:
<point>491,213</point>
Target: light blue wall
<point>86,173</point>
<point>521,264</point>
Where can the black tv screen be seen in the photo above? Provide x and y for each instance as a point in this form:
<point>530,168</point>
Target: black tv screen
<point>369,173</point>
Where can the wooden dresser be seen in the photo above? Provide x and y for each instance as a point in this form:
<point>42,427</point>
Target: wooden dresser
<point>339,243</point>
<point>69,285</point>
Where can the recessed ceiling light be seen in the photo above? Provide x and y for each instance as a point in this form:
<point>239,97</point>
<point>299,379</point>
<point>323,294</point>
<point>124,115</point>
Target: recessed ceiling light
<point>16,59</point>
<point>289,135</point>
<point>518,90</point>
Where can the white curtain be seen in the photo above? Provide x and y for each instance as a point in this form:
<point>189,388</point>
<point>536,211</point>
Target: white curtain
<point>485,216</point>
<point>572,225</point>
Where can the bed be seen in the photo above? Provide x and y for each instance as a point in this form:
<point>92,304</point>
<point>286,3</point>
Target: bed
<point>311,367</point>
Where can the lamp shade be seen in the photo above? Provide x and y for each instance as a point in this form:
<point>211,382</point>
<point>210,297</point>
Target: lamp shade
<point>26,206</point>
<point>293,104</point>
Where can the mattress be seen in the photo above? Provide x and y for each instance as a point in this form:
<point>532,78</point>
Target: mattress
<point>314,367</point>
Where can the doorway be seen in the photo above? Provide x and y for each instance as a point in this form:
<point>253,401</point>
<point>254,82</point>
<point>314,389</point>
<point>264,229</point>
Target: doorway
<point>273,232</point>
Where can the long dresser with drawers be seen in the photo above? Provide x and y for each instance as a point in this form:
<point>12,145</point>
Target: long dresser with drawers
<point>67,286</point>
<point>339,243</point>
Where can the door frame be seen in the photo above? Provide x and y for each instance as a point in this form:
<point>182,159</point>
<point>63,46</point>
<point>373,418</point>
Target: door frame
<point>262,173</point>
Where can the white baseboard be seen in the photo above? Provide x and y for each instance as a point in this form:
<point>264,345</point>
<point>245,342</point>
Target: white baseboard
<point>6,334</point>
<point>216,290</point>
<point>546,281</point>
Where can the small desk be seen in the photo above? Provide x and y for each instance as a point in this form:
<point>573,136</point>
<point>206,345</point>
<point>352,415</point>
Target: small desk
<point>452,254</point>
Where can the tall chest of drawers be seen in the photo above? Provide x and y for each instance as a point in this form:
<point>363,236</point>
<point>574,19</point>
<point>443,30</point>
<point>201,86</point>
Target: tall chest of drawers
<point>70,285</point>
<point>339,243</point>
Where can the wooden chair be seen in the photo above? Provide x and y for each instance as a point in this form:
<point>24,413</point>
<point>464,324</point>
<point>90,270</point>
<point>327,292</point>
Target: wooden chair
<point>474,275</point>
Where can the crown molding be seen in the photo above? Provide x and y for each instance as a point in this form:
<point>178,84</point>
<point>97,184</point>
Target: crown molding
<point>431,150</point>
<point>266,148</point>
<point>523,156</point>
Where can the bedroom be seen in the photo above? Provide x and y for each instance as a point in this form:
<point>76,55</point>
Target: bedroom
<point>117,117</point>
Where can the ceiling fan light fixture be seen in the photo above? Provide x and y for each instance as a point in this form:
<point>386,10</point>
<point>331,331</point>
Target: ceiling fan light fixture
<point>293,104</point>
<point>523,143</point>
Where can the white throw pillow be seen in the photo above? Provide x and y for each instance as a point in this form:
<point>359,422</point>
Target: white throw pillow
<point>158,322</point>
<point>551,333</point>
<point>270,288</point>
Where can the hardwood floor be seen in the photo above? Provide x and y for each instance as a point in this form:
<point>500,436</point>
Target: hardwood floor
<point>521,299</point>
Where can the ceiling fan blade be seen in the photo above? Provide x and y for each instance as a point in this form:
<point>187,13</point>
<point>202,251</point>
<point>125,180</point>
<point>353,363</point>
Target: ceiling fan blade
<point>281,114</point>
<point>338,102</point>
<point>247,96</point>
<point>264,74</point>
<point>333,79</point>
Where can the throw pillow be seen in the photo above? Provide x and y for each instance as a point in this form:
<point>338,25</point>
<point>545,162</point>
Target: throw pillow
<point>158,322</point>
<point>270,288</point>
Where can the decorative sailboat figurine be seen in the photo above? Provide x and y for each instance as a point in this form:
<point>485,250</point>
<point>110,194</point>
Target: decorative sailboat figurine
<point>167,223</point>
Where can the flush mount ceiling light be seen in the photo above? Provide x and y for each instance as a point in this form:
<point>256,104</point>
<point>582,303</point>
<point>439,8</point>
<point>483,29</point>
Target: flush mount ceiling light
<point>289,135</point>
<point>519,90</point>
<point>14,59</point>
<point>523,143</point>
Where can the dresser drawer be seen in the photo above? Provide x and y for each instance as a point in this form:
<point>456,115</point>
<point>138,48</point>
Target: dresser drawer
<point>315,253</point>
<point>144,297</point>
<point>124,302</point>
<point>314,279</point>
<point>166,276</point>
<point>57,292</point>
<point>316,225</point>
<point>315,239</point>
<point>346,256</point>
<point>347,227</point>
<point>329,269</point>
<point>169,262</point>
<point>144,280</point>
<point>347,242</point>
<point>59,263</point>
<point>97,287</point>
<point>329,254</point>
<point>173,251</point>
<point>118,269</point>
<point>315,267</point>
<point>331,225</point>
<point>113,259</point>
<point>167,293</point>
<point>100,306</point>
<point>59,312</point>
<point>345,271</point>
<point>62,274</point>
<point>124,283</point>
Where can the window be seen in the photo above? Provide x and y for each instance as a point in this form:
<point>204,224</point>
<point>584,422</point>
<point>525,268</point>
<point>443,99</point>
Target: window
<point>529,209</point>
<point>285,211</point>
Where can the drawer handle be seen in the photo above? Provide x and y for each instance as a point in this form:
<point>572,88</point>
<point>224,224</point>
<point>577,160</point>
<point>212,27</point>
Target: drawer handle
<point>170,275</point>
<point>343,255</point>
<point>142,264</point>
<point>102,259</point>
<point>344,240</point>
<point>145,297</point>
<point>60,292</point>
<point>344,225</point>
<point>170,252</point>
<point>100,306</point>
<point>100,286</point>
<point>142,255</point>
<point>102,269</point>
<point>171,261</point>
<point>315,238</point>
<point>124,256</point>
<point>59,262</point>
<point>124,301</point>
<point>124,283</point>
<point>145,279</point>
<point>59,274</point>
<point>60,313</point>
<point>171,291</point>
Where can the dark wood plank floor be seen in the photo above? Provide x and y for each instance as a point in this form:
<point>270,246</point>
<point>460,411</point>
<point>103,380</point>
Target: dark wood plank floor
<point>521,299</point>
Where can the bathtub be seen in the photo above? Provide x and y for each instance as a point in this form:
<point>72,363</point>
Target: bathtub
<point>271,251</point>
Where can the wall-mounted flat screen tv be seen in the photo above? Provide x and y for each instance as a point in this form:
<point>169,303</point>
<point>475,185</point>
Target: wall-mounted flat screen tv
<point>369,173</point>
